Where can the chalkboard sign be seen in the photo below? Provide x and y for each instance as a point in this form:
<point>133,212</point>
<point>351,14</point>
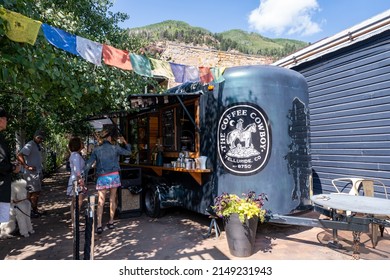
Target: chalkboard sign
<point>168,129</point>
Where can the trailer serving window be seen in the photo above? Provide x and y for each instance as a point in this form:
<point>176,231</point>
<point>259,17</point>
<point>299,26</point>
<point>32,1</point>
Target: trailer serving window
<point>168,122</point>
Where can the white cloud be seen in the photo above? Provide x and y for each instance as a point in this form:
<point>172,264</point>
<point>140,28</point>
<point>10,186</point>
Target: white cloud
<point>285,17</point>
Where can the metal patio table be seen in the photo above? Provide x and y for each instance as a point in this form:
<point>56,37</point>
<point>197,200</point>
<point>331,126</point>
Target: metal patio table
<point>337,207</point>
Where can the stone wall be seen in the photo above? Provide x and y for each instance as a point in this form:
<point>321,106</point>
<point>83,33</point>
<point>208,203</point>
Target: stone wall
<point>197,56</point>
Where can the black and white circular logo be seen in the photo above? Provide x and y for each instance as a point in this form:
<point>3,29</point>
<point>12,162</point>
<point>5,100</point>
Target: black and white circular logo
<point>244,139</point>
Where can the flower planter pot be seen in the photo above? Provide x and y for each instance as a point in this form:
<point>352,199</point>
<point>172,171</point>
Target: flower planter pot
<point>240,236</point>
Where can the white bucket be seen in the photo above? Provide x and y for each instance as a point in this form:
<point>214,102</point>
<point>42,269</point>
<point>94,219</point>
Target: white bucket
<point>201,162</point>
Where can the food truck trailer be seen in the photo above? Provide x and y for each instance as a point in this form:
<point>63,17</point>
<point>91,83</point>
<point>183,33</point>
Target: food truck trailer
<point>193,142</point>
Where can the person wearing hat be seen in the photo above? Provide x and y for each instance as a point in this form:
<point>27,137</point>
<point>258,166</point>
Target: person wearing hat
<point>6,170</point>
<point>106,157</point>
<point>30,157</point>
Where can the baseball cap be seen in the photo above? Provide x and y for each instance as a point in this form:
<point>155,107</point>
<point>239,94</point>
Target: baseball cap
<point>40,133</point>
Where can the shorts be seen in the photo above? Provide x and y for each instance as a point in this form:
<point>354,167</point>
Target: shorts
<point>108,181</point>
<point>4,212</point>
<point>34,181</point>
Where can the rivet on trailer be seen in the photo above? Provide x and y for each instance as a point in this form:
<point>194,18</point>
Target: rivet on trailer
<point>249,132</point>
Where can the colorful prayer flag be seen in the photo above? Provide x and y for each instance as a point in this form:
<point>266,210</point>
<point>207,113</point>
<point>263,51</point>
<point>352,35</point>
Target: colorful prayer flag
<point>205,74</point>
<point>60,38</point>
<point>191,74</point>
<point>116,57</point>
<point>178,71</point>
<point>161,68</point>
<point>217,74</point>
<point>20,28</point>
<point>89,50</point>
<point>141,65</point>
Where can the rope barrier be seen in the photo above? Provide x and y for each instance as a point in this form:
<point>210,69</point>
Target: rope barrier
<point>89,224</point>
<point>88,236</point>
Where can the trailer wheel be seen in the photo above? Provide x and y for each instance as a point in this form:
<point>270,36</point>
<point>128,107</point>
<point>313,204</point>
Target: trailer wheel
<point>152,203</point>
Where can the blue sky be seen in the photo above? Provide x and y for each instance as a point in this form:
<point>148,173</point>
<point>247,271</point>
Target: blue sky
<point>305,20</point>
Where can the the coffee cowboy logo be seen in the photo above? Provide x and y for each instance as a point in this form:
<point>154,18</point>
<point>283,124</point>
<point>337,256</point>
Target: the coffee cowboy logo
<point>244,140</point>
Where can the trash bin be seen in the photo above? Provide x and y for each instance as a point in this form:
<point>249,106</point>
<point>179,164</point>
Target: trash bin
<point>130,193</point>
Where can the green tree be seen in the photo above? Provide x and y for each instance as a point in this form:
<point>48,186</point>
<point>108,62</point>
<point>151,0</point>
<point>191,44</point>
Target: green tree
<point>45,87</point>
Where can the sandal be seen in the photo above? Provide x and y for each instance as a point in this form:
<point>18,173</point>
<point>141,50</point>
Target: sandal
<point>99,230</point>
<point>110,226</point>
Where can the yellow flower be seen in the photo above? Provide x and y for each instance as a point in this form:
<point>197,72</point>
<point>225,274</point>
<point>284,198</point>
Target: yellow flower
<point>246,207</point>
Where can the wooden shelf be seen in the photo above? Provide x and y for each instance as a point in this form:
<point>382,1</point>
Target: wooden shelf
<point>195,173</point>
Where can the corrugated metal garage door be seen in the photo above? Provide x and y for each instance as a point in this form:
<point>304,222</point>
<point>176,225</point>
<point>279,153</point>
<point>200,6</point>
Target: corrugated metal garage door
<point>349,100</point>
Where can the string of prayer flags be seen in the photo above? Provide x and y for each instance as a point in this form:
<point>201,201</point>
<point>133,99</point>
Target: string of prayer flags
<point>89,50</point>
<point>60,38</point>
<point>141,65</point>
<point>20,28</point>
<point>25,30</point>
<point>116,57</point>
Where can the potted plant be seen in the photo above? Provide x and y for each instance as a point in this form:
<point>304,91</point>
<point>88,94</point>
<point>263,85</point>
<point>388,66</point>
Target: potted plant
<point>241,216</point>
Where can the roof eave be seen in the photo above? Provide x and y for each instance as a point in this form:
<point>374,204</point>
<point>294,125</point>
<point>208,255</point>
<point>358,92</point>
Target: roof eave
<point>350,36</point>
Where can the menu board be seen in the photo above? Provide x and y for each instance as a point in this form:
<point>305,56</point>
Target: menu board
<point>168,130</point>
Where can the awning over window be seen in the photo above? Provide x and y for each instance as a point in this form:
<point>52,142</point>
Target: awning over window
<point>99,123</point>
<point>173,95</point>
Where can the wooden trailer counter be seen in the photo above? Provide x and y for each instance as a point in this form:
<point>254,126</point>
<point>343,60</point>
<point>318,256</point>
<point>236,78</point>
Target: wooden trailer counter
<point>195,173</point>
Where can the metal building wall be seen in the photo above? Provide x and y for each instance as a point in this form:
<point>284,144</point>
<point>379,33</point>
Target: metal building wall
<point>349,101</point>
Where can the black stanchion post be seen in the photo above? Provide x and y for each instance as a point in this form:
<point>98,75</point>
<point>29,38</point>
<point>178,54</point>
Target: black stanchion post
<point>76,222</point>
<point>89,226</point>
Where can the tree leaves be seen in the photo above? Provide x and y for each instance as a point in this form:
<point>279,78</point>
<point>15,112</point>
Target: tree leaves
<point>48,88</point>
<point>66,87</point>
